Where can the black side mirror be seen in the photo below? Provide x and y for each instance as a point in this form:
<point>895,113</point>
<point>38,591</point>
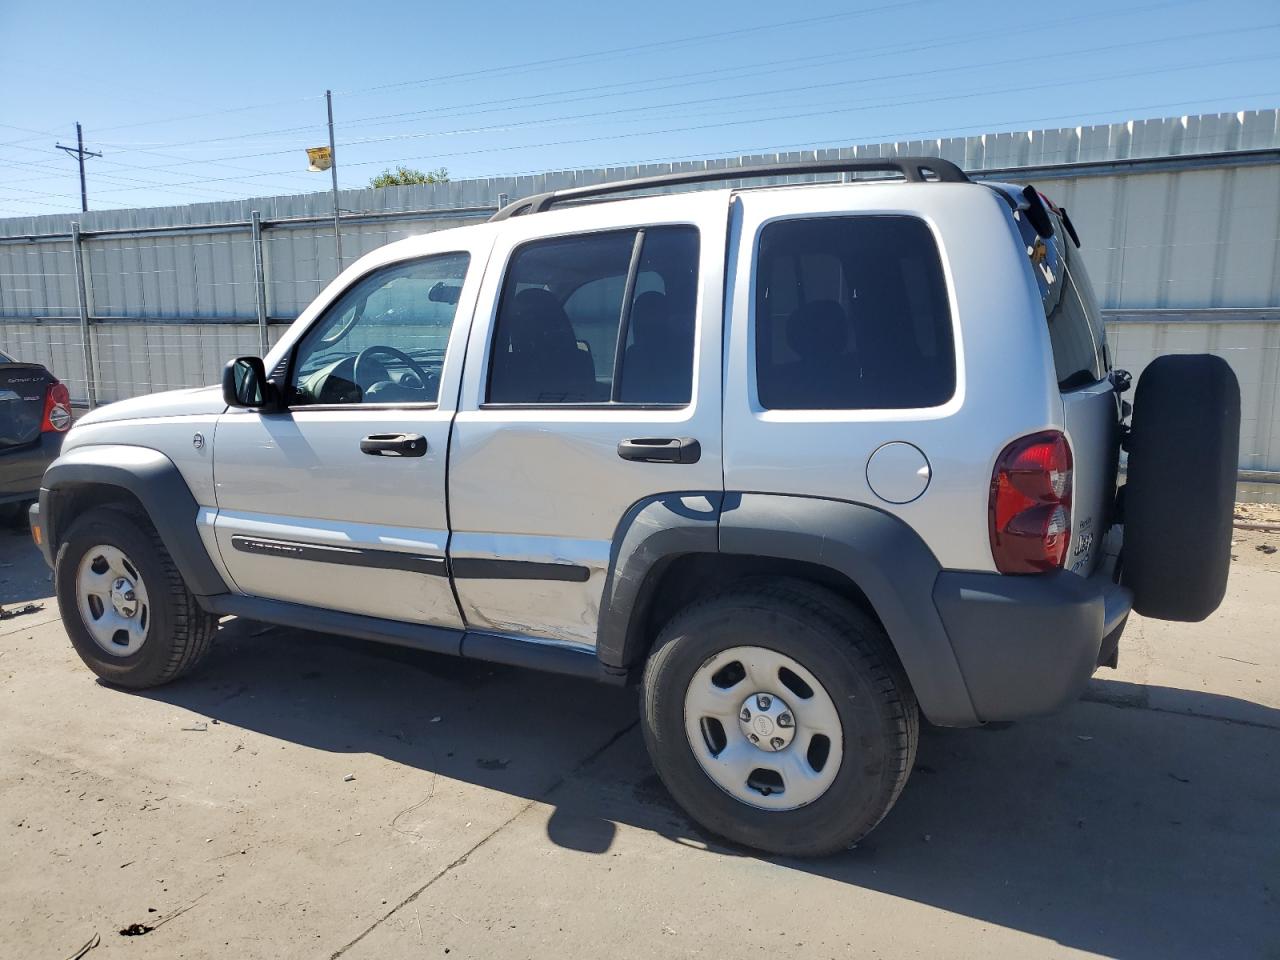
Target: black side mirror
<point>245,384</point>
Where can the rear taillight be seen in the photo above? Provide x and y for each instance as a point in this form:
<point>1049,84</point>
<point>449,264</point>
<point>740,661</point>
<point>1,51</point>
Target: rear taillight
<point>1030,509</point>
<point>57,409</point>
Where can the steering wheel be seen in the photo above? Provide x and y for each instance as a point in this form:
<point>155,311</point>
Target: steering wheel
<point>363,357</point>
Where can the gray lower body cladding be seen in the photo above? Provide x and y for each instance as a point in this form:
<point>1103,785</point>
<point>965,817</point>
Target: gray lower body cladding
<point>156,483</point>
<point>883,558</point>
<point>976,647</point>
<point>1027,645</point>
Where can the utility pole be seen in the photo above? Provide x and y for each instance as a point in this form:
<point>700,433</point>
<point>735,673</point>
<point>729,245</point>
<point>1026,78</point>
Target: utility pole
<point>333,169</point>
<point>79,152</point>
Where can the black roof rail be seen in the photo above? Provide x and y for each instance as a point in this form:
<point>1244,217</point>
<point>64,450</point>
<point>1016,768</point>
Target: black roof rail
<point>912,169</point>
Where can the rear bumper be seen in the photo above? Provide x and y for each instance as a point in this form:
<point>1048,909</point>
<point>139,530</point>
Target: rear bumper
<point>21,469</point>
<point>1027,645</point>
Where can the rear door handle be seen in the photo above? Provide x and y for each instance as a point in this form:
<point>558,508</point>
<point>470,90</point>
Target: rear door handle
<point>394,445</point>
<point>661,450</point>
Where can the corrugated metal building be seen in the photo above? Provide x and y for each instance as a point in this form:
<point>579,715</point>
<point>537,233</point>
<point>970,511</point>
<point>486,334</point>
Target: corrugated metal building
<point>1179,218</point>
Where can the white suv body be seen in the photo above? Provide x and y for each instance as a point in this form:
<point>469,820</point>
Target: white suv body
<point>557,438</point>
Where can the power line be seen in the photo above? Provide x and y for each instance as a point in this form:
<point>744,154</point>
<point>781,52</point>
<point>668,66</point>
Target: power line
<point>648,85</point>
<point>795,116</point>
<point>536,64</point>
<point>593,92</point>
<point>803,88</point>
<point>635,48</point>
<point>1017,125</point>
<point>159,185</point>
<point>933,98</point>
<point>182,161</point>
<point>212,113</point>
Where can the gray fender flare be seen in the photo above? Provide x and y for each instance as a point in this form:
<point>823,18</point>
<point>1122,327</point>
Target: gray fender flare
<point>885,558</point>
<point>879,553</point>
<point>651,534</point>
<point>157,484</point>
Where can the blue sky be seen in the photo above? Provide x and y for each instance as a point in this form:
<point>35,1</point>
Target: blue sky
<point>216,101</point>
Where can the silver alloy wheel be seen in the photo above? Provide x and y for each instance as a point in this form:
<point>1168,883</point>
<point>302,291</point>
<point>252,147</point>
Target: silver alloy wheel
<point>113,600</point>
<point>763,728</point>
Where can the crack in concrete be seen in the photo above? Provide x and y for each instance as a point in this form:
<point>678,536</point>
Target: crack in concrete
<point>1143,703</point>
<point>459,861</point>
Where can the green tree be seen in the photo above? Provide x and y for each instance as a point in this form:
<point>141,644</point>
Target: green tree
<point>405,176</point>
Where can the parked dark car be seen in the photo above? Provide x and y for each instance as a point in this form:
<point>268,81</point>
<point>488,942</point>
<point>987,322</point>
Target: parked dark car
<point>35,414</point>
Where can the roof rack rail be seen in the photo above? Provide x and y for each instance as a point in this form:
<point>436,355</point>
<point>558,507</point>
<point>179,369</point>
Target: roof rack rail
<point>911,168</point>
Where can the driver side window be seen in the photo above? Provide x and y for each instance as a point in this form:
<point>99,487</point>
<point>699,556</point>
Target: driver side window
<point>384,339</point>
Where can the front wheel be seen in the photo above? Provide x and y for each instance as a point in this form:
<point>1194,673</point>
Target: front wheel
<point>778,717</point>
<point>124,604</point>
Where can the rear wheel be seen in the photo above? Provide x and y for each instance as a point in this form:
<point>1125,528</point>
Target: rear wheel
<point>778,717</point>
<point>124,604</point>
<point>1180,492</point>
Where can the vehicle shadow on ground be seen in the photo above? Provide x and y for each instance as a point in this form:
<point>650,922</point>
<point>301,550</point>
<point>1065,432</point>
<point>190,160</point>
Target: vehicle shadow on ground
<point>1112,828</point>
<point>23,575</point>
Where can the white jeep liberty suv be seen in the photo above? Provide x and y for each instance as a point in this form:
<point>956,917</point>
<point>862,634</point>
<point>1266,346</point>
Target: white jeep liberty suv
<point>805,461</point>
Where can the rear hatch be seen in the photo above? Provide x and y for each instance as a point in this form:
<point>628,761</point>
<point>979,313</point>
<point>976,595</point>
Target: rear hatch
<point>1091,406</point>
<point>23,388</point>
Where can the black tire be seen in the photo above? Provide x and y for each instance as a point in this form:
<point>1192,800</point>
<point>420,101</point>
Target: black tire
<point>1180,494</point>
<point>851,657</point>
<point>179,632</point>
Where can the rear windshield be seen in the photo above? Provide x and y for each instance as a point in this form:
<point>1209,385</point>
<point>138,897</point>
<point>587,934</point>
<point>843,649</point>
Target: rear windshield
<point>852,314</point>
<point>1076,331</point>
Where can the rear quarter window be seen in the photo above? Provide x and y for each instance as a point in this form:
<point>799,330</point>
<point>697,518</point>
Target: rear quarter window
<point>852,314</point>
<point>1076,331</point>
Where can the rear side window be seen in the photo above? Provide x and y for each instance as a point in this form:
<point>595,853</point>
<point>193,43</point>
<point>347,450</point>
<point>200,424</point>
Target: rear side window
<point>852,314</point>
<point>1076,331</point>
<point>598,318</point>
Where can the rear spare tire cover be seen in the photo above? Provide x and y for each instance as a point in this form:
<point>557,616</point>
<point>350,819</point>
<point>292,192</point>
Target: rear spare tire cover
<point>1180,493</point>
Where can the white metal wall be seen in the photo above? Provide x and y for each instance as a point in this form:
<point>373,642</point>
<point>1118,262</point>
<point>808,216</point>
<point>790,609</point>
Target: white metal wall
<point>1252,349</point>
<point>167,356</point>
<point>1190,239</point>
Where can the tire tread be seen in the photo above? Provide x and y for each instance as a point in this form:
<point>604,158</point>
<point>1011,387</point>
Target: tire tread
<point>866,640</point>
<point>191,629</point>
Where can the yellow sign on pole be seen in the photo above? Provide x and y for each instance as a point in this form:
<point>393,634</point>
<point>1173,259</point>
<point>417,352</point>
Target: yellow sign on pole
<point>319,159</point>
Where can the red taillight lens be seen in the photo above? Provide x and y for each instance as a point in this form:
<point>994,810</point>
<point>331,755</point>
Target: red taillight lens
<point>1030,508</point>
<point>57,409</point>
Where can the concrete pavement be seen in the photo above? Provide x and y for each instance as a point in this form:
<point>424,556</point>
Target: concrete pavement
<point>501,813</point>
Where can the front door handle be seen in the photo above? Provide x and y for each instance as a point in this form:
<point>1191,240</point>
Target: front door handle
<point>661,450</point>
<point>394,445</point>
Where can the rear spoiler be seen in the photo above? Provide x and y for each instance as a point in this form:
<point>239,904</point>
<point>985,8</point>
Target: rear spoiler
<point>1035,206</point>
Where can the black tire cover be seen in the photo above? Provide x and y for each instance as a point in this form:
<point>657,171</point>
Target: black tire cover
<point>1180,494</point>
